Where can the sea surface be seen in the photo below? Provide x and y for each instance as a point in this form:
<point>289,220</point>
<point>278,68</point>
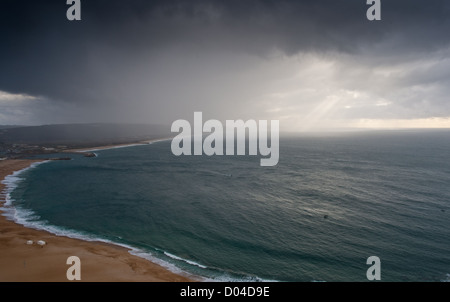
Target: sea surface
<point>332,201</point>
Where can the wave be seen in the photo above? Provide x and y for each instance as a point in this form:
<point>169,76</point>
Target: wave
<point>150,257</point>
<point>185,260</point>
<point>221,276</point>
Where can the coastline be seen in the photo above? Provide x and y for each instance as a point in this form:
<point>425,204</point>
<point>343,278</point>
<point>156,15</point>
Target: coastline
<point>115,146</point>
<point>100,261</point>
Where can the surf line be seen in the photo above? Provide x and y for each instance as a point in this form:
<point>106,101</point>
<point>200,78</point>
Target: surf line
<point>258,139</point>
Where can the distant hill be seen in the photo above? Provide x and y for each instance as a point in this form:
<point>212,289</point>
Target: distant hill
<point>81,134</point>
<point>10,126</point>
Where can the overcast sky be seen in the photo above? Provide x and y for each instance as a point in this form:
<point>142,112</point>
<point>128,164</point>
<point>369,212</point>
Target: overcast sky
<point>312,64</point>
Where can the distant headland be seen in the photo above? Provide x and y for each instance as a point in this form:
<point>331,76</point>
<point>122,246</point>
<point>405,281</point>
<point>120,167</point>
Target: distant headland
<point>18,142</point>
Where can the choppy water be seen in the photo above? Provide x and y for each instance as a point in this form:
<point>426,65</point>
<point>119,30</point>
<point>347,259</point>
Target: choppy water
<point>330,203</point>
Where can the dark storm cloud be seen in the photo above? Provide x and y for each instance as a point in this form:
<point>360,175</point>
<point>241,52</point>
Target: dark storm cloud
<point>117,44</point>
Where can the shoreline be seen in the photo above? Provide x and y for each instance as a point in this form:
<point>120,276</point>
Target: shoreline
<point>115,146</point>
<point>100,261</point>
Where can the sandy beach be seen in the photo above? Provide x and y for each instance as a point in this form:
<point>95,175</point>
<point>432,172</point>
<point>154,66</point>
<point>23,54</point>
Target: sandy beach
<point>99,261</point>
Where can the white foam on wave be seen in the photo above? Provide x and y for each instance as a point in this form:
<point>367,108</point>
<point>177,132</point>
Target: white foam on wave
<point>447,279</point>
<point>185,260</point>
<point>150,257</point>
<point>225,277</point>
<point>221,277</point>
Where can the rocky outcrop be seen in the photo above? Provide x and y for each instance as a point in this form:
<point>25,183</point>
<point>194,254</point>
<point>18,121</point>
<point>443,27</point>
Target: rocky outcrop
<point>90,154</point>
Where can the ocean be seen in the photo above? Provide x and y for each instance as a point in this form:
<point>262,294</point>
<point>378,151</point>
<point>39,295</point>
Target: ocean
<point>332,201</point>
